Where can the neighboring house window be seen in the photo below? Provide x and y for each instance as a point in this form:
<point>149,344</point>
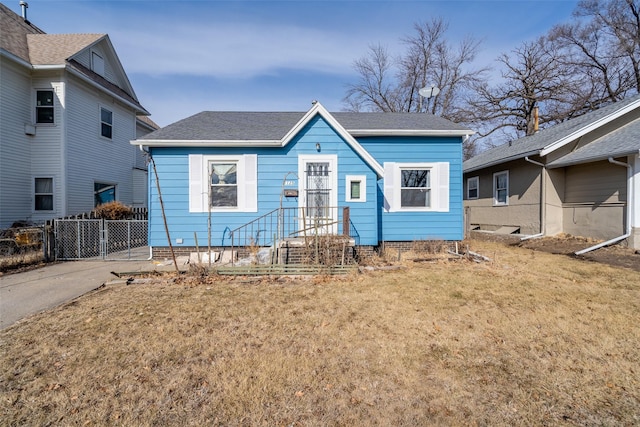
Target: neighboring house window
<point>472,187</point>
<point>44,106</point>
<point>416,186</point>
<point>97,63</point>
<point>106,123</point>
<point>223,183</point>
<point>103,193</point>
<point>501,188</point>
<point>356,188</point>
<point>43,191</point>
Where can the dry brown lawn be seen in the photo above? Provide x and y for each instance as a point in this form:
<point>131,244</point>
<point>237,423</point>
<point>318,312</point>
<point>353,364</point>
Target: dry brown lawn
<point>527,339</point>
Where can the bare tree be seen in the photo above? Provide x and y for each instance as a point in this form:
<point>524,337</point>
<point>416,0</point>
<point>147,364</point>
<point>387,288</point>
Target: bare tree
<point>618,21</point>
<point>376,89</point>
<point>392,85</point>
<point>532,78</point>
<point>603,50</point>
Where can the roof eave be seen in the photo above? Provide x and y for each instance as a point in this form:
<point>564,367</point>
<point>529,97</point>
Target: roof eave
<point>589,128</point>
<point>500,161</point>
<point>592,159</point>
<point>410,132</point>
<point>349,138</point>
<point>137,108</point>
<point>190,143</point>
<point>6,54</point>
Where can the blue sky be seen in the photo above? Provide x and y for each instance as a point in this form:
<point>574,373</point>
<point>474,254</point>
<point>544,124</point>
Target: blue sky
<point>183,57</point>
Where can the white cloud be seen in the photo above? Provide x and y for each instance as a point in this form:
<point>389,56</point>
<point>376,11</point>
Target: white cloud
<point>234,50</point>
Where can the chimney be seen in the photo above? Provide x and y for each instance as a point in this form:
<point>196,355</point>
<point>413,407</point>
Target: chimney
<point>24,5</point>
<point>535,120</point>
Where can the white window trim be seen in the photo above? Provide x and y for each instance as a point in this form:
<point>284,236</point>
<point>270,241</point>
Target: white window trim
<point>102,107</point>
<point>246,179</point>
<point>53,194</point>
<point>495,189</point>
<point>363,188</point>
<point>477,181</point>
<point>303,159</point>
<point>439,186</point>
<point>35,106</point>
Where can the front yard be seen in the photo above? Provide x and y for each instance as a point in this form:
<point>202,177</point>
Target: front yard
<point>528,338</point>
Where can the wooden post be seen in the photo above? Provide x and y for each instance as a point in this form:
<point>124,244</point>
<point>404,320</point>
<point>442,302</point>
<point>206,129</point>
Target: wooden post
<point>346,222</point>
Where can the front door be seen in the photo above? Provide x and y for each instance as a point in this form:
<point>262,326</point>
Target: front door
<point>318,200</point>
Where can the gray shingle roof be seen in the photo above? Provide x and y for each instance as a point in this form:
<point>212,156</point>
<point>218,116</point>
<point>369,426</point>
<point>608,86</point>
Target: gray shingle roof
<point>533,144</point>
<point>261,126</point>
<point>621,142</point>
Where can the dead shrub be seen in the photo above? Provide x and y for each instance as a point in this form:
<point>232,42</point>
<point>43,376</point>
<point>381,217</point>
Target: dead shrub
<point>113,210</point>
<point>429,246</point>
<point>327,249</point>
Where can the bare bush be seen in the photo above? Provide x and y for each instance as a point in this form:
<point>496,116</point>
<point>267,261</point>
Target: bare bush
<point>113,210</point>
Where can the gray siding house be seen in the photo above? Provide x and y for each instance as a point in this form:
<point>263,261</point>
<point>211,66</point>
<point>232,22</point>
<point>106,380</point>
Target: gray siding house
<point>580,177</point>
<point>67,114</point>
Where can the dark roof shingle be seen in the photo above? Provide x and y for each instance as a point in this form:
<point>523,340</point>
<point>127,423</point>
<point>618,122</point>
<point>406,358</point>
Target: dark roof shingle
<point>272,126</point>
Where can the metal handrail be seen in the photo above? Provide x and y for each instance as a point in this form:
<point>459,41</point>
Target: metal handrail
<point>277,225</point>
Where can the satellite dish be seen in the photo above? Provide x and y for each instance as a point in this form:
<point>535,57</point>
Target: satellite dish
<point>429,91</point>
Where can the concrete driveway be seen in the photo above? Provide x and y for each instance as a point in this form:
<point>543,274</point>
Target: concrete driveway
<point>30,292</point>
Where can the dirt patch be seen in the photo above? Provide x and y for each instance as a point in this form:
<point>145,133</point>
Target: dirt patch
<point>566,244</point>
<point>614,255</point>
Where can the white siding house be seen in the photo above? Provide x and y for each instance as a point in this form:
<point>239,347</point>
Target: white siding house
<point>68,112</point>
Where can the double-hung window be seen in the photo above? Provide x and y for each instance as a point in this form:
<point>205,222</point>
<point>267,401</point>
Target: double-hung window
<point>501,188</point>
<point>106,123</point>
<point>414,187</point>
<point>472,187</point>
<point>44,106</point>
<point>224,184</point>
<point>43,194</point>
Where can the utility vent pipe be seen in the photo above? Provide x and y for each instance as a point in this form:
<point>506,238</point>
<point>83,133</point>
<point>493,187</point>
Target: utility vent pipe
<point>24,6</point>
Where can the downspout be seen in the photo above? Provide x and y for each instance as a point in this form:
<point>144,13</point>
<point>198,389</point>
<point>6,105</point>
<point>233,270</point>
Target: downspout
<point>148,156</point>
<point>543,199</point>
<point>629,196</point>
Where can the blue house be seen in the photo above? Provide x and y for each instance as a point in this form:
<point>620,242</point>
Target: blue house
<point>249,178</point>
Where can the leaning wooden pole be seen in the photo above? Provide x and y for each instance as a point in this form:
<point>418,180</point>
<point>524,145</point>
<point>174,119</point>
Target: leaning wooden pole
<point>164,217</point>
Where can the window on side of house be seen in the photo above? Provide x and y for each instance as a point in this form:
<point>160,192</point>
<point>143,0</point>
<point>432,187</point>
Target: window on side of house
<point>356,188</point>
<point>44,106</point>
<point>501,188</point>
<point>415,189</point>
<point>106,123</point>
<point>103,193</point>
<point>224,184</point>
<point>472,187</point>
<point>97,63</point>
<point>43,194</point>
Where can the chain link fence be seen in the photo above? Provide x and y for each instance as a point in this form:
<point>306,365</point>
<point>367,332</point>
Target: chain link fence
<point>99,238</point>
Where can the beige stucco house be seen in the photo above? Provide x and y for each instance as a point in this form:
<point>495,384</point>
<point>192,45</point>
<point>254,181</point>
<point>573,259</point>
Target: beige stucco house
<point>580,177</point>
